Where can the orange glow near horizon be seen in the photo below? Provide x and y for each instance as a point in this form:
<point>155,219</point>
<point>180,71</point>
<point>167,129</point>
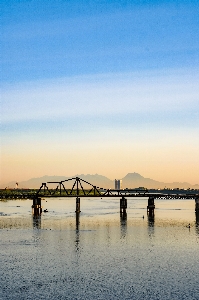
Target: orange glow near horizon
<point>113,159</point>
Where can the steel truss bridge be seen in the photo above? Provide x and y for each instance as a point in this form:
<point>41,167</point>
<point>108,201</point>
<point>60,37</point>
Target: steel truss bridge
<point>77,187</point>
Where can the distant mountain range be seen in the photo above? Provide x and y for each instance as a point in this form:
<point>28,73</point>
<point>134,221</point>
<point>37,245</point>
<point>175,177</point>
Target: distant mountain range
<point>136,180</point>
<point>131,180</point>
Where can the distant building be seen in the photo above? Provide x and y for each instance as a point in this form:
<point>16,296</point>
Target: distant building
<point>118,184</point>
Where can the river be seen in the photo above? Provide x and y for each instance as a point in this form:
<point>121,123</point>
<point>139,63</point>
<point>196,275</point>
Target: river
<point>99,254</point>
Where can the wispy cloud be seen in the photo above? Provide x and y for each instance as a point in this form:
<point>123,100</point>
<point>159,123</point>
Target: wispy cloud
<point>102,95</point>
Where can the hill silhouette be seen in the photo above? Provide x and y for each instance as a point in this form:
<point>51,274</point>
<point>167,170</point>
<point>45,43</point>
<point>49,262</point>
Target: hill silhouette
<point>131,180</point>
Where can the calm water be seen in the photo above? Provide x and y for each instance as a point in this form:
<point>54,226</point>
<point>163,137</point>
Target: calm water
<point>99,255</point>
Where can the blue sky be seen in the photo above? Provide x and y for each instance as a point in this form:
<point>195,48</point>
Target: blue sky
<point>85,79</point>
<point>49,39</point>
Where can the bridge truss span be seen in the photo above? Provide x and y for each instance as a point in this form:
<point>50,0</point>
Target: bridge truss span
<point>81,188</point>
<point>78,188</point>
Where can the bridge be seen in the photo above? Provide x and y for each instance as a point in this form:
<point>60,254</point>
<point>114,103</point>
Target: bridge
<point>79,188</point>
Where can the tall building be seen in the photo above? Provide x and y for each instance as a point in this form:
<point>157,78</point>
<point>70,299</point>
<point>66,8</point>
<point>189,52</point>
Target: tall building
<point>118,184</point>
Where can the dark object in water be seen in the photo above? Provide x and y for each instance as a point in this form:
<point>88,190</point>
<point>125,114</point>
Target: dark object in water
<point>45,210</point>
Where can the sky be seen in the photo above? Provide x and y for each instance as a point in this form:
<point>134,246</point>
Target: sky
<point>107,87</point>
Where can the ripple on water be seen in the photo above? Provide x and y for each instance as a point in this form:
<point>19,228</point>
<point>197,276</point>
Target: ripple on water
<point>99,256</point>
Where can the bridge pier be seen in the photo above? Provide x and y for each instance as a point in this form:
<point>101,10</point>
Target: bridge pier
<point>36,207</point>
<point>123,206</point>
<point>151,207</point>
<point>78,205</point>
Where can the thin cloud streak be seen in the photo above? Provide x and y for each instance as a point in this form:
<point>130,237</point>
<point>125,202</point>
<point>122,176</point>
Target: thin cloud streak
<point>103,95</point>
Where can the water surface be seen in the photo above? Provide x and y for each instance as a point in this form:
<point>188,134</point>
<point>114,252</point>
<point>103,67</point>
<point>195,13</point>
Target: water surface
<point>99,254</point>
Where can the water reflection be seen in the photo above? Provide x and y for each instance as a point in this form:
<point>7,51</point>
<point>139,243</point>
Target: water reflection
<point>77,232</point>
<point>77,220</point>
<point>197,217</point>
<point>151,223</point>
<point>36,221</point>
<point>123,223</point>
<point>197,222</point>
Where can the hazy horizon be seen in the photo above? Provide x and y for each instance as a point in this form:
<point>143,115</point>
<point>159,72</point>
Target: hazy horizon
<point>130,180</point>
<point>90,87</point>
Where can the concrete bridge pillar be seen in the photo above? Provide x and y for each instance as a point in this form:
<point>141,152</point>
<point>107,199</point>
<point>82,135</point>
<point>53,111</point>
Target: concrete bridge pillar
<point>36,207</point>
<point>151,206</point>
<point>78,205</point>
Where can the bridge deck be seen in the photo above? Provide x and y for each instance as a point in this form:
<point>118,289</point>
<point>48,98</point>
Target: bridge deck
<point>111,194</point>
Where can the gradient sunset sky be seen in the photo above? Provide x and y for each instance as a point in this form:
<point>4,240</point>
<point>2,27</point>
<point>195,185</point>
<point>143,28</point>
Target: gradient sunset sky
<point>107,87</point>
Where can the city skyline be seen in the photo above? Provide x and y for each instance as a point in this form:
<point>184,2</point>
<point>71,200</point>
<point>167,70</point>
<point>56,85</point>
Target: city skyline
<point>107,88</point>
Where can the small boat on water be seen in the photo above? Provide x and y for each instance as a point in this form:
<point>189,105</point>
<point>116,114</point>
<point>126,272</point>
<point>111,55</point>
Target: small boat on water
<point>45,210</point>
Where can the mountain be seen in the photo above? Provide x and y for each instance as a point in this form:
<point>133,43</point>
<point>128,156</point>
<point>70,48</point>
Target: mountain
<point>35,183</point>
<point>98,180</point>
<point>131,180</point>
<point>135,180</point>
